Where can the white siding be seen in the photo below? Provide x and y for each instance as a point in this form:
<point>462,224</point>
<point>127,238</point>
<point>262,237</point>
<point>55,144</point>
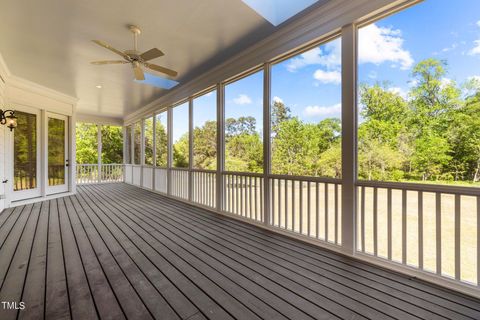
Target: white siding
<point>2,153</point>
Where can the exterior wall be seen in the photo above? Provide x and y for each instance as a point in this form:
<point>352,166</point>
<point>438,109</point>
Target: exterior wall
<point>18,92</point>
<point>2,150</point>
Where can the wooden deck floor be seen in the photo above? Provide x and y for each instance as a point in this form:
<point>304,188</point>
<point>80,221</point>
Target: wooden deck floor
<point>115,251</point>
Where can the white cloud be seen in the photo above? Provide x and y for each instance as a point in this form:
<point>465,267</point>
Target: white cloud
<point>317,111</point>
<point>475,78</point>
<point>381,44</point>
<point>478,23</point>
<point>242,99</point>
<point>398,90</point>
<point>444,82</point>
<point>277,99</point>
<point>328,55</point>
<point>334,77</point>
<point>476,49</point>
<point>452,47</point>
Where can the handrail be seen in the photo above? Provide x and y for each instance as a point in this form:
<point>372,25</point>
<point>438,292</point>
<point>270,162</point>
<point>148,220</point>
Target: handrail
<point>473,191</point>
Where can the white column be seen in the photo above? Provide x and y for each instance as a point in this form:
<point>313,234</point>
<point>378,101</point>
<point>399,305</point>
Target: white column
<point>190,149</point>
<point>99,153</point>
<point>349,140</point>
<point>124,162</point>
<point>266,143</point>
<point>169,149</point>
<point>154,142</point>
<point>220,144</point>
<point>142,149</point>
<point>72,161</point>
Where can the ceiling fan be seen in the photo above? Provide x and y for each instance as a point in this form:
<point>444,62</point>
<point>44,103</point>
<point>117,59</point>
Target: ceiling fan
<point>135,57</point>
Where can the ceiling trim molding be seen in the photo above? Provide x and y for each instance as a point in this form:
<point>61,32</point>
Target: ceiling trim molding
<point>7,79</point>
<point>36,88</point>
<point>4,71</point>
<point>322,22</point>
<point>96,119</point>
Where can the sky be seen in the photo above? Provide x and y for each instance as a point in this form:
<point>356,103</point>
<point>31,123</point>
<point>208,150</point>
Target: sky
<point>310,83</point>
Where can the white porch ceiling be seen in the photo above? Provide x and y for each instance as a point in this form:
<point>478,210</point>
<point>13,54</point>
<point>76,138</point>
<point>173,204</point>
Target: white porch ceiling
<point>48,42</point>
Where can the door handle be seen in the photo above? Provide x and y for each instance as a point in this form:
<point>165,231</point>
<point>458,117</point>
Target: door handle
<point>66,163</point>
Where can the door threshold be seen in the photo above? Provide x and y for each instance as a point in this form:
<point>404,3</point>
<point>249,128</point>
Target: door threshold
<point>39,199</point>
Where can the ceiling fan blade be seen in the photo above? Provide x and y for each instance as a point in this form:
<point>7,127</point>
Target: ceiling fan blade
<point>138,73</point>
<point>107,46</point>
<point>151,54</point>
<point>109,62</point>
<point>161,69</point>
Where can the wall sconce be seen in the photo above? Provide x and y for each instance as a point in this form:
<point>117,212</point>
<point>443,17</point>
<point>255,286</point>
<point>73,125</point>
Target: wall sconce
<point>10,120</point>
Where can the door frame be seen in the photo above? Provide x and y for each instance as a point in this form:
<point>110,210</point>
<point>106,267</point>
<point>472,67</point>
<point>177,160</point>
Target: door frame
<point>66,186</point>
<point>29,193</point>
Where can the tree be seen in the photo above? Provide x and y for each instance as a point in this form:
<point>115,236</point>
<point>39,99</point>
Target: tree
<point>86,143</point>
<point>280,113</point>
<point>205,146</point>
<point>112,144</point>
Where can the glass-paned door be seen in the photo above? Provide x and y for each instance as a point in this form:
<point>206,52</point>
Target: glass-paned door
<point>57,147</point>
<point>26,156</point>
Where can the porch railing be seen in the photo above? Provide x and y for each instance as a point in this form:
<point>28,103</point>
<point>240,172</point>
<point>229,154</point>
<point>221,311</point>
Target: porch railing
<point>432,230</point>
<point>94,173</point>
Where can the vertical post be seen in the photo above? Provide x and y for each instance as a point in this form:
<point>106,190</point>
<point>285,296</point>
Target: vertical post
<point>266,143</point>
<point>349,143</point>
<point>169,149</point>
<point>99,153</point>
<point>142,149</point>
<point>154,154</point>
<point>124,162</point>
<point>72,154</point>
<point>190,149</point>
<point>220,145</point>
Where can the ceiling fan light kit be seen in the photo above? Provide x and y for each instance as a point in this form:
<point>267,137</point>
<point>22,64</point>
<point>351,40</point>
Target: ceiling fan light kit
<point>135,57</point>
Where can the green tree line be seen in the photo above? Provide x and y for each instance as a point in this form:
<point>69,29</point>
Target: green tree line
<point>430,133</point>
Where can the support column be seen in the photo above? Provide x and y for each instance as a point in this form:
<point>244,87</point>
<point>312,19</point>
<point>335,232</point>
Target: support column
<point>169,149</point>
<point>266,143</point>
<point>154,153</point>
<point>190,149</point>
<point>349,139</point>
<point>142,149</point>
<point>220,145</point>
<point>124,161</point>
<point>99,153</point>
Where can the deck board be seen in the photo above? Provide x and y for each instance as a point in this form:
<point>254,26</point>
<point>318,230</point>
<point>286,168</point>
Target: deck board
<point>115,251</point>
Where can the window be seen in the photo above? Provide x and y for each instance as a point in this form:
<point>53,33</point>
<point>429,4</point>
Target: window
<point>419,95</point>
<point>419,114</point>
<point>128,145</point>
<point>161,139</point>
<point>244,124</point>
<point>25,152</point>
<point>86,143</point>
<point>306,113</point>
<point>205,131</point>
<point>112,144</point>
<point>180,136</point>
<point>148,141</point>
<point>137,142</point>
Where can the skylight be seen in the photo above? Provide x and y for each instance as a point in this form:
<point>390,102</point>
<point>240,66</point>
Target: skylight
<point>158,81</point>
<point>277,11</point>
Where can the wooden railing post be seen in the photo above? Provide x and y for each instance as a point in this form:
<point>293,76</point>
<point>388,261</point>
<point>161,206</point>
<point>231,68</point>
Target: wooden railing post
<point>190,149</point>
<point>220,146</point>
<point>169,149</point>
<point>349,142</point>
<point>266,143</point>
<point>99,155</point>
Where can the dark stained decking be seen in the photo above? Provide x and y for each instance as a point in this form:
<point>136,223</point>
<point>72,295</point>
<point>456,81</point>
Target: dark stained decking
<point>114,251</point>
